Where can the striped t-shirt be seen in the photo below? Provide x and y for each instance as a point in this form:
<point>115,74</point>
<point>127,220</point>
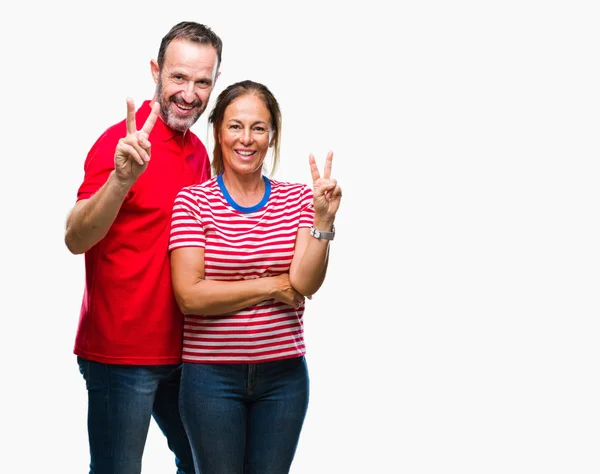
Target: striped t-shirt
<point>242,243</point>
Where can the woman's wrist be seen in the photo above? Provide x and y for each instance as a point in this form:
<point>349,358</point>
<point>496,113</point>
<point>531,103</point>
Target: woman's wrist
<point>323,223</point>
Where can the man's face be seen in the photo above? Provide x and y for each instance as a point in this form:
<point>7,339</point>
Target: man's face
<point>184,85</point>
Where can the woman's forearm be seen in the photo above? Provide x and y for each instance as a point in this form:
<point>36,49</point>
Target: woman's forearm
<point>212,297</point>
<point>311,258</point>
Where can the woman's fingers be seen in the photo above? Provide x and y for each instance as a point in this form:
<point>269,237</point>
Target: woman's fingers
<point>328,162</point>
<point>314,169</point>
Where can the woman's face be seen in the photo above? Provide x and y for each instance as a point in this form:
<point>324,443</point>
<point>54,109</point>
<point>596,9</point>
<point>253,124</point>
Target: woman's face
<point>244,134</point>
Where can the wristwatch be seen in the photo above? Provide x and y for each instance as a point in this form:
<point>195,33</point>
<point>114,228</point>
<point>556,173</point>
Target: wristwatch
<point>319,234</point>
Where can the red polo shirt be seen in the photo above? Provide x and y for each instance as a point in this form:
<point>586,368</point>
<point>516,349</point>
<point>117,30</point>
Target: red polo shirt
<point>129,314</point>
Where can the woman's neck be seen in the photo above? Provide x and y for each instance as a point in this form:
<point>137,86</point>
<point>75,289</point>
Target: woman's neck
<point>247,191</point>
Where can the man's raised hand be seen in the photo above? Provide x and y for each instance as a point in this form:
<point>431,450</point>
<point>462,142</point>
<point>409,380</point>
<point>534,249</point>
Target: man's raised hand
<point>133,151</point>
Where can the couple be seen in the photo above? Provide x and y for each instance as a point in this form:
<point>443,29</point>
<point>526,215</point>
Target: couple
<point>209,269</point>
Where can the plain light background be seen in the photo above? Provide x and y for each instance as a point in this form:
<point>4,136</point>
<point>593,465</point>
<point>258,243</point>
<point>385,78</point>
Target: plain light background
<point>458,329</point>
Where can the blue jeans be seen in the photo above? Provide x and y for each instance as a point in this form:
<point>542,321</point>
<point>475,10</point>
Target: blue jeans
<point>244,418</point>
<point>121,401</point>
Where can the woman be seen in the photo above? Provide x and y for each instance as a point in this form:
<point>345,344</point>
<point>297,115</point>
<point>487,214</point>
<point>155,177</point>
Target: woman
<point>245,252</point>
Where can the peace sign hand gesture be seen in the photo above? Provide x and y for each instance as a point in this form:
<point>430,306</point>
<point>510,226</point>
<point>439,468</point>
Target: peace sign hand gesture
<point>133,151</point>
<point>327,193</point>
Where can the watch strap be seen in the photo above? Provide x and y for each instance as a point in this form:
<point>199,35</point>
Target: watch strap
<point>322,235</point>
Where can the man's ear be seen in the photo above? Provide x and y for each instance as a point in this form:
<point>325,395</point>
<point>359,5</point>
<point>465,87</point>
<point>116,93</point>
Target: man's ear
<point>155,70</point>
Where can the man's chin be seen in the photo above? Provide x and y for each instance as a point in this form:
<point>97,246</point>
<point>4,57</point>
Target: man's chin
<point>181,125</point>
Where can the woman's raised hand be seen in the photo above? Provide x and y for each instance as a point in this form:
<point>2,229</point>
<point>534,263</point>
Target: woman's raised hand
<point>327,193</point>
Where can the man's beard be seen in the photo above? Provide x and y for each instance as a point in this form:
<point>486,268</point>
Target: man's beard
<point>172,120</point>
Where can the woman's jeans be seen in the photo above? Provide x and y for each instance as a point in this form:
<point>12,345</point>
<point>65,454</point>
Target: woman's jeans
<point>244,418</point>
<point>121,401</point>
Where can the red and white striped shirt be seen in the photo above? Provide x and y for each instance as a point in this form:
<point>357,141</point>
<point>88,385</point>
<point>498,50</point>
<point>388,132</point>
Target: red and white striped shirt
<point>240,244</point>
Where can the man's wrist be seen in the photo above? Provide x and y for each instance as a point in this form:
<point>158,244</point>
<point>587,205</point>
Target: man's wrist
<point>123,186</point>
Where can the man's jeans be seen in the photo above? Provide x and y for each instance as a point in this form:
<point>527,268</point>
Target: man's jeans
<point>244,418</point>
<point>121,401</point>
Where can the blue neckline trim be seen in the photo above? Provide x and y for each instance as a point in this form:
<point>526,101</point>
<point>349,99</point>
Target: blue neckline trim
<point>236,206</point>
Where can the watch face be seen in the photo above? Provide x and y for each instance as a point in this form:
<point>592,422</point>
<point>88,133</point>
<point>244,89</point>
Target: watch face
<point>317,234</point>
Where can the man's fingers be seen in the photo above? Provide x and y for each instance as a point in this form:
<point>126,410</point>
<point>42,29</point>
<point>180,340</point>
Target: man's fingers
<point>133,153</point>
<point>151,120</point>
<point>131,128</point>
<point>141,139</point>
<point>143,151</point>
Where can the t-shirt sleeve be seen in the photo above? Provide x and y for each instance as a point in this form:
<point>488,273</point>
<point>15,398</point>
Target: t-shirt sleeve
<point>307,213</point>
<point>186,222</point>
<point>99,163</point>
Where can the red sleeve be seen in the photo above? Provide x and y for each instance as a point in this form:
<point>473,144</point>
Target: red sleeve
<point>100,162</point>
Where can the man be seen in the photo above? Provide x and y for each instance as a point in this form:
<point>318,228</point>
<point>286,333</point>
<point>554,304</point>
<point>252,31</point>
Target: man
<point>128,341</point>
